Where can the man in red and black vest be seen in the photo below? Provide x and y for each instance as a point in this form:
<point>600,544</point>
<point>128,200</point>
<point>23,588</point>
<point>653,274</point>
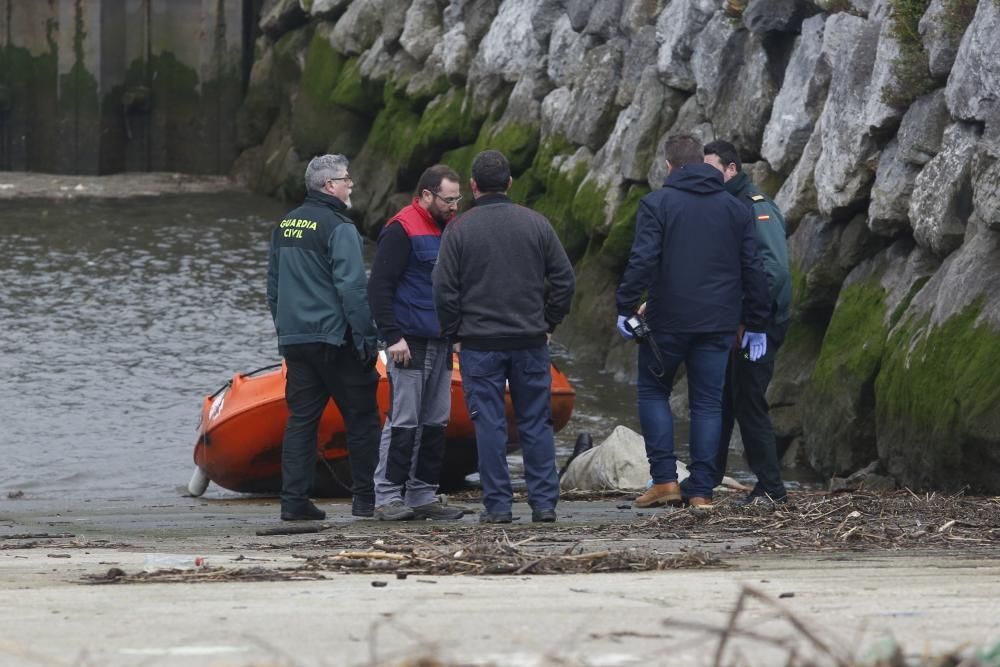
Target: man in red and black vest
<point>418,362</point>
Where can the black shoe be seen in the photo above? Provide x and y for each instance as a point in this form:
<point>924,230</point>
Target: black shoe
<point>761,498</point>
<point>307,512</point>
<point>547,515</point>
<point>489,517</point>
<point>363,506</point>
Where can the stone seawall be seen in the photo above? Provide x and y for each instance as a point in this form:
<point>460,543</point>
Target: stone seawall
<point>875,123</point>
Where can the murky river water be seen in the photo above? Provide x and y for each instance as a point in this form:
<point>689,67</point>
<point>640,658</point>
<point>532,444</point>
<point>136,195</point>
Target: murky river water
<point>118,317</point>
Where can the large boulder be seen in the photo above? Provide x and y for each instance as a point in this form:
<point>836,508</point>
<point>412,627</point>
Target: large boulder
<point>886,83</point>
<point>639,56</point>
<point>800,100</point>
<point>567,49</point>
<point>329,10</point>
<point>509,49</point>
<point>986,191</point>
<point>941,36</point>
<point>922,128</point>
<point>838,410</point>
<point>358,28</point>
<point>766,16</point>
<point>422,29</point>
<point>734,82</point>
<point>279,16</point>
<point>797,196</point>
<point>942,194</point>
<point>676,29</point>
<point>973,90</point>
<point>822,254</point>
<point>845,167</point>
<point>937,394</point>
<point>604,20</point>
<point>918,140</point>
<point>591,115</point>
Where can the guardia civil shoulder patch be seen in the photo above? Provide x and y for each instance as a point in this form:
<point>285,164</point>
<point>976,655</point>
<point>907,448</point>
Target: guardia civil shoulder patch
<point>763,217</point>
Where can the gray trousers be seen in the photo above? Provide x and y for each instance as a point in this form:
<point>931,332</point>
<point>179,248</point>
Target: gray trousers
<point>411,451</point>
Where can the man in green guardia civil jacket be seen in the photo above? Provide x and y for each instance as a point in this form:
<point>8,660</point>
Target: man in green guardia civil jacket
<point>744,400</point>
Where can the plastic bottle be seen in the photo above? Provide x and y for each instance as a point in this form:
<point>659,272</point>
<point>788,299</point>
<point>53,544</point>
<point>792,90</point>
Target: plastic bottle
<point>157,562</point>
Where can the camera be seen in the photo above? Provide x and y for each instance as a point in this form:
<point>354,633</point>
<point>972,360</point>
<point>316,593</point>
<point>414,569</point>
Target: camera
<point>637,325</point>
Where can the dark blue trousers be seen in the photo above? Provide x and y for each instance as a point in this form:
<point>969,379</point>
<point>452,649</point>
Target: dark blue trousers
<point>485,375</point>
<point>704,355</point>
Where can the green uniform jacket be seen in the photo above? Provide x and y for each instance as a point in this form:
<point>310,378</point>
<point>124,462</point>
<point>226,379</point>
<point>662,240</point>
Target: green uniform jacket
<point>316,284</point>
<point>771,243</point>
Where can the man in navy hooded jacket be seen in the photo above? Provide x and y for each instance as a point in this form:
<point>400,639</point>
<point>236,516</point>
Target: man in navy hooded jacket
<point>695,253</point>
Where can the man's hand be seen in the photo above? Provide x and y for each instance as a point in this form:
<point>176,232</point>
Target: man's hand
<point>548,339</point>
<point>399,352</point>
<point>622,329</point>
<point>642,309</point>
<point>757,343</point>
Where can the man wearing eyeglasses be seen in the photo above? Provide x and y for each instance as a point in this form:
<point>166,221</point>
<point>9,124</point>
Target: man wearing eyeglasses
<point>419,365</point>
<point>316,293</point>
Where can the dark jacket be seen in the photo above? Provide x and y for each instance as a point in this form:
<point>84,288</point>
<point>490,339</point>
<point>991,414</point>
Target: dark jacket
<point>316,278</point>
<point>771,243</point>
<point>695,251</point>
<point>400,290</point>
<point>490,279</point>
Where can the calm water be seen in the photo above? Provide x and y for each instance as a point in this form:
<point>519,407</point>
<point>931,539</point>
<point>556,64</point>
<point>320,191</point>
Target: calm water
<point>118,317</point>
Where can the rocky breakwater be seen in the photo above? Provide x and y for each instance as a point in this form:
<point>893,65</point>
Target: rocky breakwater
<point>876,124</point>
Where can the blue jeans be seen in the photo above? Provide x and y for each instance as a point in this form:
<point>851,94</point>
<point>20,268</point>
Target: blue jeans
<point>705,356</point>
<point>484,376</point>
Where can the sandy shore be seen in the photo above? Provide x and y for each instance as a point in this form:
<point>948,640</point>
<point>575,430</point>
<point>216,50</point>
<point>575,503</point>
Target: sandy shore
<point>928,600</point>
<point>24,185</point>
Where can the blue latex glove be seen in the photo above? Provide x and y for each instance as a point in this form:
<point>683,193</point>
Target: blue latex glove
<point>622,329</point>
<point>757,343</point>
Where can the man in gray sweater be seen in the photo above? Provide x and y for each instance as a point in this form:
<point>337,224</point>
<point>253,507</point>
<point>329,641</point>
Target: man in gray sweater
<point>490,295</point>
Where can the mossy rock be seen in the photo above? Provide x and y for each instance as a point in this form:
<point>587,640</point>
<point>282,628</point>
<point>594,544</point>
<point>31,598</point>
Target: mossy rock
<point>353,92</point>
<point>838,404</point>
<point>617,246</point>
<point>938,403</point>
<point>312,125</point>
<point>588,330</point>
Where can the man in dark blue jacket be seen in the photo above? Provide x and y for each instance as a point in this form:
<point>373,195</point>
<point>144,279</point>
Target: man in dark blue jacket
<point>696,254</point>
<point>316,292</point>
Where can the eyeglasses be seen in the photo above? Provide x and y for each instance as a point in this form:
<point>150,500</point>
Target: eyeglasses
<point>342,178</point>
<point>449,201</point>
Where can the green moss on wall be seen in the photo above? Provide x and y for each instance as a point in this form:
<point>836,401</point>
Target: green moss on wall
<point>615,249</point>
<point>322,69</point>
<point>556,203</point>
<point>588,207</point>
<point>900,309</point>
<point>353,92</point>
<point>935,381</point>
<point>854,340</point>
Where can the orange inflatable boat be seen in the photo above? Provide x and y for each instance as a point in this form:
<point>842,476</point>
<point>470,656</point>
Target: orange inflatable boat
<point>242,425</point>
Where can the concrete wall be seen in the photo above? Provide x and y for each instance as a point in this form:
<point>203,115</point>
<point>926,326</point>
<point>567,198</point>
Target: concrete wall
<point>105,86</point>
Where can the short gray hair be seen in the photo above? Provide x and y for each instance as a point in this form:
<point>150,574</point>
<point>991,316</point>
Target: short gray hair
<point>324,167</point>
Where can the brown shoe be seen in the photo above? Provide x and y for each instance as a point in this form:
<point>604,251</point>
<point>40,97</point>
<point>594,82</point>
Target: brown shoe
<point>700,502</point>
<point>668,493</point>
